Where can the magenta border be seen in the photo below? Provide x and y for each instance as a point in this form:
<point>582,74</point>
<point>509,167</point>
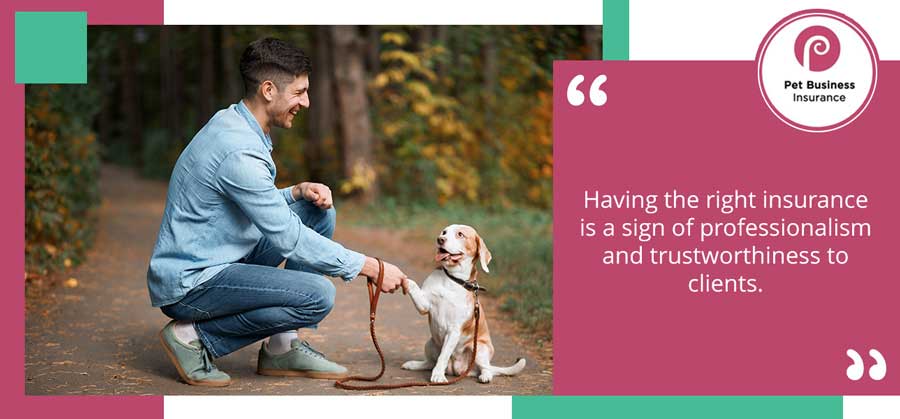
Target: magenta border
<point>873,53</point>
<point>12,261</point>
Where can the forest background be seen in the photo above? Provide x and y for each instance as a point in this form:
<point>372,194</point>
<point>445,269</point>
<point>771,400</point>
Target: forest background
<point>415,127</point>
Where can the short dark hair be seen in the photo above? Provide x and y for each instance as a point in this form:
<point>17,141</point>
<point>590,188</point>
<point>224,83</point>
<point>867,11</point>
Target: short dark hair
<point>272,59</point>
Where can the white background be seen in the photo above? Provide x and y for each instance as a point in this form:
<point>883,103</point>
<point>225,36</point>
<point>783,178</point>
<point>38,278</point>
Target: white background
<point>871,407</point>
<point>337,407</point>
<point>729,30</point>
<point>383,12</point>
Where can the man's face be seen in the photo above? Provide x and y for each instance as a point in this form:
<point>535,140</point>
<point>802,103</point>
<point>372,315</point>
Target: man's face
<point>287,102</point>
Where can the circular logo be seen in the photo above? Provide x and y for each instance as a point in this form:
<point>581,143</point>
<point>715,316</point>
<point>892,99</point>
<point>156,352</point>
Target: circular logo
<point>817,70</point>
<point>817,48</point>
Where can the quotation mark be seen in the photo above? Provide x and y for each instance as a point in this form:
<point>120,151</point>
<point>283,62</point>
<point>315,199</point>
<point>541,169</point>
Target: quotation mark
<point>857,368</point>
<point>576,98</point>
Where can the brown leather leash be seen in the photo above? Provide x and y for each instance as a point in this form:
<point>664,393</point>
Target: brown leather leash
<point>374,293</point>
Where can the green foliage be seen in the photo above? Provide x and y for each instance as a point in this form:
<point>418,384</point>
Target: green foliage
<point>461,114</point>
<point>462,121</point>
<point>288,154</point>
<point>424,136</point>
<point>456,126</point>
<point>61,172</point>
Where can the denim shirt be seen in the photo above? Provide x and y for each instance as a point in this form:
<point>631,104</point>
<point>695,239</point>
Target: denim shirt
<point>221,201</point>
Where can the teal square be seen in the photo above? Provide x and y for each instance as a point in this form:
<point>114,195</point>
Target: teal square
<point>51,47</point>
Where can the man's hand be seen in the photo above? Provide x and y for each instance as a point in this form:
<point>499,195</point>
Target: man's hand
<point>317,193</point>
<point>394,278</point>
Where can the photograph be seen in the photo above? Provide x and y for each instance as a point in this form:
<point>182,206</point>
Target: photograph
<point>288,210</point>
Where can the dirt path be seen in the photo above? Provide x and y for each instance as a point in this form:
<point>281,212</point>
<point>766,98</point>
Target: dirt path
<point>99,337</point>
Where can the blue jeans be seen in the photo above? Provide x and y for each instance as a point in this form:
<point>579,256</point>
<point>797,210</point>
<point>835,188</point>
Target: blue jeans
<point>253,299</point>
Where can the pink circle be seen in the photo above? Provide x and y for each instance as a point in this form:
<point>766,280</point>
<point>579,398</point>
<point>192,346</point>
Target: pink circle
<point>817,48</point>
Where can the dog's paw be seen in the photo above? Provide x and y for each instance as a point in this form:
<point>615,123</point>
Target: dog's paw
<point>410,284</point>
<point>485,377</point>
<point>438,378</point>
<point>411,365</point>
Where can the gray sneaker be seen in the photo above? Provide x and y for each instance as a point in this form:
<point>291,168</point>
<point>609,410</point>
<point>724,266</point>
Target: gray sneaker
<point>301,361</point>
<point>192,361</point>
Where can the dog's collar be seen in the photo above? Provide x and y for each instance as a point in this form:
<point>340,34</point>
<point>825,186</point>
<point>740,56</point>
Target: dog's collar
<point>469,285</point>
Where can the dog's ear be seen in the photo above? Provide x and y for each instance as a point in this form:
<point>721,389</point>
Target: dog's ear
<point>484,255</point>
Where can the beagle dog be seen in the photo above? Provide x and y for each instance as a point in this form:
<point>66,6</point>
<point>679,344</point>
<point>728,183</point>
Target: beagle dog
<point>447,298</point>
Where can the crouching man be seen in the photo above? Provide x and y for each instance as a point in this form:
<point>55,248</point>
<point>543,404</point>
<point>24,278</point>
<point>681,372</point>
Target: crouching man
<point>227,228</point>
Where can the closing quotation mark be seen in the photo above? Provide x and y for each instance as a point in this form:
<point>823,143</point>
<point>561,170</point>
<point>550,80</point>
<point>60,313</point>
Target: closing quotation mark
<point>857,368</point>
<point>576,98</point>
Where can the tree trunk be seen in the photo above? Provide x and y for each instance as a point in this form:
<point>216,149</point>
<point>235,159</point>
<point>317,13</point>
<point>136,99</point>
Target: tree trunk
<point>373,50</point>
<point>441,68</point>
<point>206,97</point>
<point>490,141</point>
<point>459,39</point>
<point>593,38</point>
<point>231,79</point>
<point>321,109</point>
<point>356,128</point>
<point>422,37</point>
<point>106,115</point>
<point>131,102</point>
<point>169,86</point>
<point>489,80</point>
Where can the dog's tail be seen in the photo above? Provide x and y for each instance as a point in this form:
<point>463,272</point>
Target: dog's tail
<point>510,370</point>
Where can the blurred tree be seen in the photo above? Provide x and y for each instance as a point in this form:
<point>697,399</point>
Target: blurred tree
<point>489,74</point>
<point>132,123</point>
<point>322,107</point>
<point>105,92</point>
<point>353,104</point>
<point>441,42</point>
<point>232,91</point>
<point>170,89</point>
<point>373,43</point>
<point>206,98</point>
<point>593,40</point>
<point>61,173</point>
<point>423,113</point>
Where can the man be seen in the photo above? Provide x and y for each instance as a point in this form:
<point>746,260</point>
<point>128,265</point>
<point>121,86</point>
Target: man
<point>226,228</point>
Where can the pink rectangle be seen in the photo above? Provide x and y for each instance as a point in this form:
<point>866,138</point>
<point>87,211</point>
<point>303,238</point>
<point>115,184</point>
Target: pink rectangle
<point>698,127</point>
<point>100,12</point>
<point>12,173</point>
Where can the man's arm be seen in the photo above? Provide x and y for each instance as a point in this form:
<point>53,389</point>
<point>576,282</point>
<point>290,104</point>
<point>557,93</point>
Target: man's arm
<point>288,194</point>
<point>245,177</point>
<point>317,193</point>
